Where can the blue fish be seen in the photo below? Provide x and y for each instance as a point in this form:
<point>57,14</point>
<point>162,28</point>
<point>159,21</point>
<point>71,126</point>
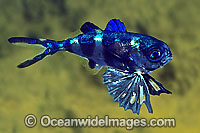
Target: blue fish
<point>130,57</point>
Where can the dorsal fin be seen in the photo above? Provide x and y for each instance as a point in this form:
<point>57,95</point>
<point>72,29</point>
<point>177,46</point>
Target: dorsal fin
<point>87,27</point>
<point>115,25</point>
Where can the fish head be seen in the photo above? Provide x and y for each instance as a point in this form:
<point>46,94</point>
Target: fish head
<point>150,54</point>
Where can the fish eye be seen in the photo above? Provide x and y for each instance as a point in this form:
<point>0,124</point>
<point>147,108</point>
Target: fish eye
<point>154,55</point>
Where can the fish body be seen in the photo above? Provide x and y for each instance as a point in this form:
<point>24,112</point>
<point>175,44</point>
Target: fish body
<point>128,56</point>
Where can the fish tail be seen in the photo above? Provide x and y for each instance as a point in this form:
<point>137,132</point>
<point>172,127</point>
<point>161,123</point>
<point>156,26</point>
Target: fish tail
<point>25,40</point>
<point>50,45</point>
<point>43,42</point>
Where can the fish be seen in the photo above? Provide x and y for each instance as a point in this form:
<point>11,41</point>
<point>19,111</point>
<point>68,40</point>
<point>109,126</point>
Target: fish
<point>129,58</point>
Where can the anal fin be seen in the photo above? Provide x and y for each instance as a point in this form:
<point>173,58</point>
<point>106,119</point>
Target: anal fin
<point>92,64</point>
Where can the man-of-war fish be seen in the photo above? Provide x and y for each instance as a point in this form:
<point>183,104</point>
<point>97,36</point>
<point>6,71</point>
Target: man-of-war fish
<point>128,56</point>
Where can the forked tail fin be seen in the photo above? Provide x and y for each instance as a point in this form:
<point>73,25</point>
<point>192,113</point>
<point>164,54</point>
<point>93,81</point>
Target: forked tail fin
<point>51,48</point>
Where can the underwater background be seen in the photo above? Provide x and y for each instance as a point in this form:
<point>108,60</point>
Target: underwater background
<point>62,86</point>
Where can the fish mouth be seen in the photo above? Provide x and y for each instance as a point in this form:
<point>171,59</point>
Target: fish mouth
<point>166,60</point>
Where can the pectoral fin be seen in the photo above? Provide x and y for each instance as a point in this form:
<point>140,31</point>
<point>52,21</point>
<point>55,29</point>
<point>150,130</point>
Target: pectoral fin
<point>130,90</point>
